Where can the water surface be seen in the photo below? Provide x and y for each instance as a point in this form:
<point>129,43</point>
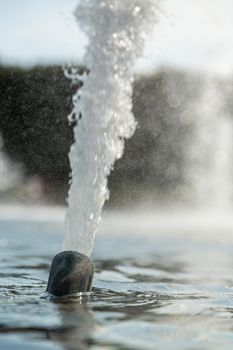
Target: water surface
<point>152,291</point>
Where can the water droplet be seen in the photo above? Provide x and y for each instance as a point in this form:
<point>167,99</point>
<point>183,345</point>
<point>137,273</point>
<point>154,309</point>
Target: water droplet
<point>136,10</point>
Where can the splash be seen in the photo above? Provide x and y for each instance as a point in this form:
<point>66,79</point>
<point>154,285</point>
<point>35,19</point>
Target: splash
<point>103,108</point>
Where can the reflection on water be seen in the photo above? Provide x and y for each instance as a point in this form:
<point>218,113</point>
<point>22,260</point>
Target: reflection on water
<point>153,291</point>
<point>77,323</point>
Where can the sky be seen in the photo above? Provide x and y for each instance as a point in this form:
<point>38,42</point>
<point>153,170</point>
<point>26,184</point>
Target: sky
<point>191,34</point>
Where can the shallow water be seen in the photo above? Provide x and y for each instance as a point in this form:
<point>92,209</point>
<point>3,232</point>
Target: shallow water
<point>152,291</point>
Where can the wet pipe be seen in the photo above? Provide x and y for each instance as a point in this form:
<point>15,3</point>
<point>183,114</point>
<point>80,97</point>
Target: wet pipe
<point>71,272</point>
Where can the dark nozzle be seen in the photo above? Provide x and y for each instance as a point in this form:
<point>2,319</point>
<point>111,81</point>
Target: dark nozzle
<point>71,272</point>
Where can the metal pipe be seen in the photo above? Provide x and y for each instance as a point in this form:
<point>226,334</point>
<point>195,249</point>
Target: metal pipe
<point>71,272</point>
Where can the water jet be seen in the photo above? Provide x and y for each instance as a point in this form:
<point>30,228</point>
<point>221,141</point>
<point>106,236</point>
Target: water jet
<point>116,32</point>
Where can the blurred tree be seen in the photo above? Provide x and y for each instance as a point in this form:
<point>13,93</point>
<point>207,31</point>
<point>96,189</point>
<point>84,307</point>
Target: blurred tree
<point>33,120</point>
<point>35,104</point>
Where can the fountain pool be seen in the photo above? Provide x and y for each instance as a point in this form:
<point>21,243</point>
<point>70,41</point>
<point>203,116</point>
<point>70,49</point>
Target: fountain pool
<point>163,279</point>
<point>154,287</point>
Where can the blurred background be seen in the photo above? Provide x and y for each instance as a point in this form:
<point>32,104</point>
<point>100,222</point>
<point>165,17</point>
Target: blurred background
<point>163,278</point>
<point>182,101</point>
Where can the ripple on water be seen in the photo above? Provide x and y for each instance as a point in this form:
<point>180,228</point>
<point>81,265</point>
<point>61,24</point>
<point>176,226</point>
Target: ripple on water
<point>158,295</point>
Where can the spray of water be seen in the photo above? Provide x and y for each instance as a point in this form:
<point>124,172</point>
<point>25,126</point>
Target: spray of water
<point>103,109</point>
<point>10,173</point>
<point>209,154</point>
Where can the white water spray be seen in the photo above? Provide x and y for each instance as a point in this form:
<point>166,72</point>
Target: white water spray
<point>116,30</point>
<point>209,155</point>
